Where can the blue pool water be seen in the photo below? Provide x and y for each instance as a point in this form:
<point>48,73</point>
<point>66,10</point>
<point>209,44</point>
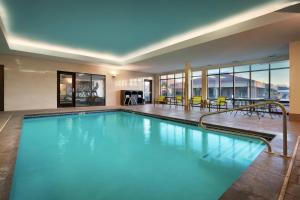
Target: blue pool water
<point>119,155</point>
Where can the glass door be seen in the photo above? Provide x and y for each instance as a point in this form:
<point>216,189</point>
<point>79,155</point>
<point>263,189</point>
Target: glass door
<point>98,90</point>
<point>90,90</point>
<point>83,89</point>
<point>65,89</point>
<point>148,91</point>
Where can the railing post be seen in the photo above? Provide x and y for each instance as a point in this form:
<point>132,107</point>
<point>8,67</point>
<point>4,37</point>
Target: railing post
<point>284,128</point>
<point>285,150</point>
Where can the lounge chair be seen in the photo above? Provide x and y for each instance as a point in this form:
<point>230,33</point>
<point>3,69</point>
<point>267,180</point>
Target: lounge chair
<point>179,100</point>
<point>160,100</point>
<point>196,101</point>
<point>221,102</point>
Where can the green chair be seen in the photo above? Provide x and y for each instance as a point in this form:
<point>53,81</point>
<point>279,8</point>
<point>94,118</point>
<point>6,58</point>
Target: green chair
<point>160,100</point>
<point>196,101</point>
<point>221,102</point>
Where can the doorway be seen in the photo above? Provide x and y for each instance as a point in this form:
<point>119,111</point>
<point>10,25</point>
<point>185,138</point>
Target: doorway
<point>65,89</point>
<point>148,91</point>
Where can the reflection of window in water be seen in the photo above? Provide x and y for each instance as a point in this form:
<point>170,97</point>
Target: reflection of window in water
<point>147,130</point>
<point>172,135</point>
<point>195,140</point>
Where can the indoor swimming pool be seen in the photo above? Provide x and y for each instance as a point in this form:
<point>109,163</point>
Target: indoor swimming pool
<point>122,155</point>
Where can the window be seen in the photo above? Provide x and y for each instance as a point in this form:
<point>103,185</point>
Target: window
<point>213,71</point>
<point>226,85</point>
<point>179,82</point>
<point>163,87</point>
<point>213,86</point>
<point>226,70</point>
<point>280,64</point>
<point>242,85</point>
<point>264,66</point>
<point>196,83</point>
<point>172,85</point>
<point>170,76</point>
<point>279,83</point>
<point>260,84</point>
<point>226,82</point>
<point>244,68</point>
<point>213,80</point>
<point>263,80</point>
<point>220,82</point>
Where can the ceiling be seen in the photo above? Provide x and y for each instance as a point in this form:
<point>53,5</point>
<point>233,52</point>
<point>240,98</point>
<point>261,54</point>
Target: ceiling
<point>150,36</point>
<point>114,26</point>
<point>270,40</point>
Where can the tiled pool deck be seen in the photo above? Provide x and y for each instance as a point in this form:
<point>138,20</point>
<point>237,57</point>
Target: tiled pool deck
<point>263,179</point>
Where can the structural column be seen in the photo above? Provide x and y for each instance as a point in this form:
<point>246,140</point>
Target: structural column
<point>156,87</point>
<point>187,75</point>
<point>294,56</point>
<point>204,84</point>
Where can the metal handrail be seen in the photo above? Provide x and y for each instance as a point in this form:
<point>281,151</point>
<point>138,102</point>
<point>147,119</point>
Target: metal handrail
<point>284,122</point>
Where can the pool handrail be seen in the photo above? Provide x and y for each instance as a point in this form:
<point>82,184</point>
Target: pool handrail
<point>284,123</point>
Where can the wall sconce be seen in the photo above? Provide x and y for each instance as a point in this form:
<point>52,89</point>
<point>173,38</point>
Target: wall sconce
<point>113,74</point>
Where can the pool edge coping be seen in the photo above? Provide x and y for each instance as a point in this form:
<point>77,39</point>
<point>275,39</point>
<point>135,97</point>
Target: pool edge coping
<point>268,136</point>
<point>49,114</point>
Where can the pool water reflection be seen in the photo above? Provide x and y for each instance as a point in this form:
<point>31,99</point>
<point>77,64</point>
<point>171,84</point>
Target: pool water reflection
<point>119,155</point>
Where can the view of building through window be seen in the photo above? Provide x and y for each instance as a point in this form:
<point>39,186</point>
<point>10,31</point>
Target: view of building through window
<point>172,85</point>
<point>213,86</point>
<point>196,81</point>
<point>256,81</point>
<point>242,85</point>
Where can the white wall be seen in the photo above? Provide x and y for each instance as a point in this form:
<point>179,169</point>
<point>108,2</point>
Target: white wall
<point>31,83</point>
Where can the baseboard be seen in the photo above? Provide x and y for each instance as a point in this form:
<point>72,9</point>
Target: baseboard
<point>294,117</point>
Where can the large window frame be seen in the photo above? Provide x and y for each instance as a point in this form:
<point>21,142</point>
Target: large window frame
<point>172,78</point>
<point>196,74</point>
<point>252,69</point>
<point>215,78</point>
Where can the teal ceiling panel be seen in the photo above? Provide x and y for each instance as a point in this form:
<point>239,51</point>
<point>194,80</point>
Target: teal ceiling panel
<point>115,26</point>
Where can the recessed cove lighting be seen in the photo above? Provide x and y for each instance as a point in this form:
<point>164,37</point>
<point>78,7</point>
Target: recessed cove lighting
<point>30,45</point>
<point>3,16</point>
<point>18,43</point>
<point>225,23</point>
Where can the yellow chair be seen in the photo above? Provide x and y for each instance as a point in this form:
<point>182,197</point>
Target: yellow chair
<point>196,100</point>
<point>160,100</point>
<point>219,103</point>
<point>179,100</point>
